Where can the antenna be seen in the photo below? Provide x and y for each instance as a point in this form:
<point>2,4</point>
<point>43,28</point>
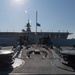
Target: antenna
<point>28,18</point>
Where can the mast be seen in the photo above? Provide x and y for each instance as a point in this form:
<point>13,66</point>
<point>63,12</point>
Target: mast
<point>36,29</point>
<point>36,21</point>
<point>28,25</point>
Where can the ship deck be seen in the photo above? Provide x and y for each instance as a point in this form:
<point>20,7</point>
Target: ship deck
<point>37,63</point>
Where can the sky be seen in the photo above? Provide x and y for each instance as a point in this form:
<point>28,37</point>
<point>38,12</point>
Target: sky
<point>53,15</point>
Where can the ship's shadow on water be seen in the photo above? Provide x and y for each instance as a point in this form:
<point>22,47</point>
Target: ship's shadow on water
<point>68,67</point>
<point>6,71</point>
<point>71,65</point>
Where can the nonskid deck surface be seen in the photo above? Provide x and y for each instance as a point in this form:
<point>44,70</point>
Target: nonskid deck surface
<point>36,63</point>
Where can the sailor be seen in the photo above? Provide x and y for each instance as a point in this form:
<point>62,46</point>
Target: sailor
<point>40,41</point>
<point>47,41</point>
<point>21,41</point>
